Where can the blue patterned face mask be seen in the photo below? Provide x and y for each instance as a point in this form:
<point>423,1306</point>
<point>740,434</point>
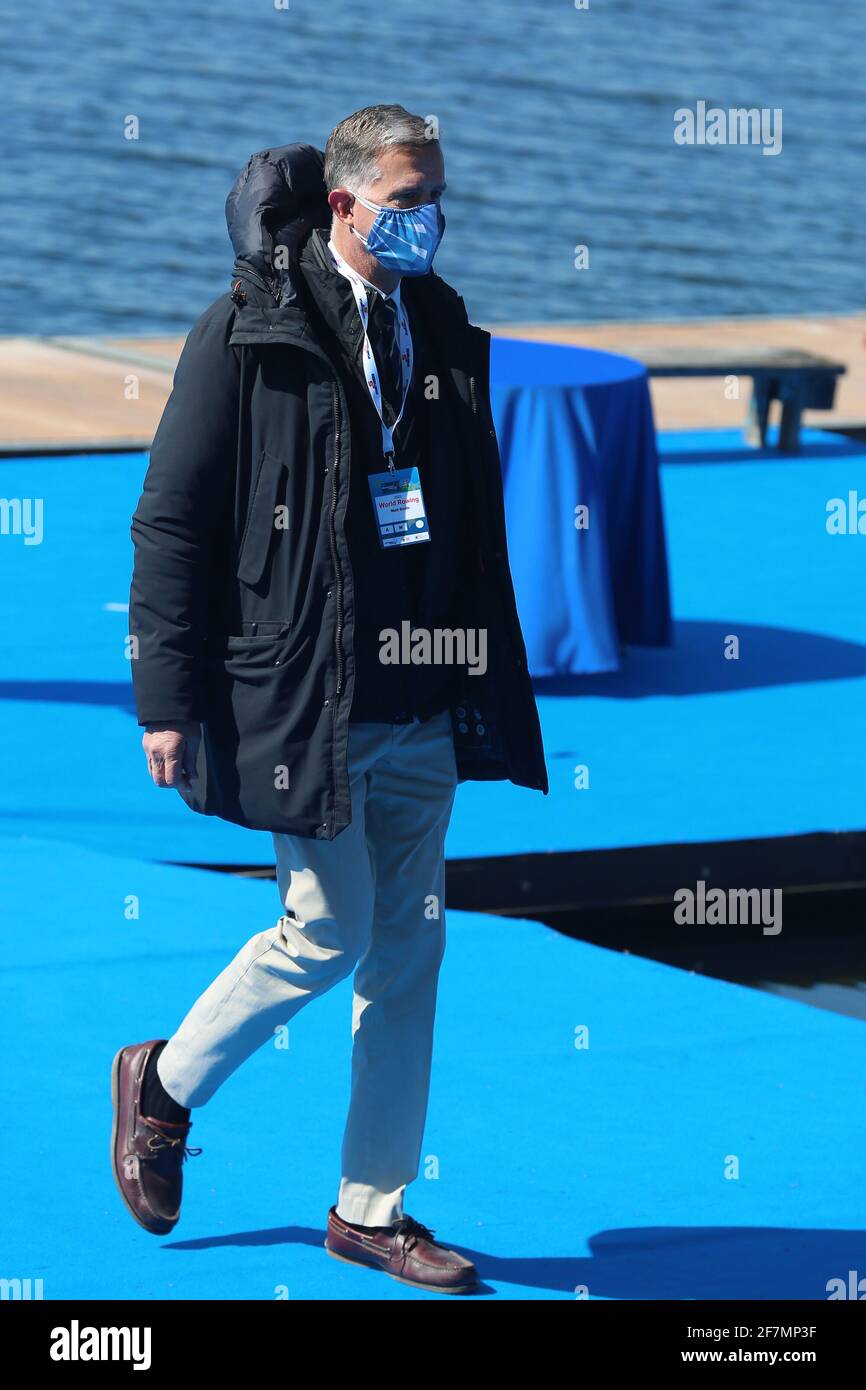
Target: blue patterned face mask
<point>404,239</point>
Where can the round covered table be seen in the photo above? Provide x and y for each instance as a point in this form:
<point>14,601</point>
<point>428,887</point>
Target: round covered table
<point>575,430</point>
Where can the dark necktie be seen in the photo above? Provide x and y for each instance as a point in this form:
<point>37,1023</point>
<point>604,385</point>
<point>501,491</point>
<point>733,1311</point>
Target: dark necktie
<point>385,342</point>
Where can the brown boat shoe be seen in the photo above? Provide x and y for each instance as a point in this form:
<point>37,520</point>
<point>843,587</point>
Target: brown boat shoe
<point>147,1154</point>
<point>407,1252</point>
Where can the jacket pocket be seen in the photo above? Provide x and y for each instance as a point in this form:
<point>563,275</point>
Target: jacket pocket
<point>259,530</point>
<point>255,634</point>
<point>251,635</point>
<point>236,655</point>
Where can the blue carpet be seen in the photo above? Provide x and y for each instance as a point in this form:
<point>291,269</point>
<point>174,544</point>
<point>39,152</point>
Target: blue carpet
<point>681,744</point>
<point>551,1166</point>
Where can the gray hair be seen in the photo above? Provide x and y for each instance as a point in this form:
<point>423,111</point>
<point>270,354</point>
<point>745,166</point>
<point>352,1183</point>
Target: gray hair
<point>350,154</point>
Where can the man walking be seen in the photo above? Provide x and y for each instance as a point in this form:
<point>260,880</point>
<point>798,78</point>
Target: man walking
<point>326,644</point>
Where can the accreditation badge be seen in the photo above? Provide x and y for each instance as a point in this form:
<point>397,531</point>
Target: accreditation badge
<point>398,507</point>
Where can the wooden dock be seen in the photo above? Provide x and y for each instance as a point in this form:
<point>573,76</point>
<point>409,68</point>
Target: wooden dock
<point>81,393</point>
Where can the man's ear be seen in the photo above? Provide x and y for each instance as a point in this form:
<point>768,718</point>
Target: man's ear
<point>341,202</point>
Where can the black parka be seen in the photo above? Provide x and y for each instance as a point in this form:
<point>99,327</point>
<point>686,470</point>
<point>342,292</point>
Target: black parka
<point>241,604</point>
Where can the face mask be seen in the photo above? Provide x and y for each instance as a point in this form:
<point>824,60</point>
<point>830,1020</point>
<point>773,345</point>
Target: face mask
<point>404,239</point>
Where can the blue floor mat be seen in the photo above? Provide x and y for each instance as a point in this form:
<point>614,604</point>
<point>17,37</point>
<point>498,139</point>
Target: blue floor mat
<point>553,1167</point>
<point>680,745</point>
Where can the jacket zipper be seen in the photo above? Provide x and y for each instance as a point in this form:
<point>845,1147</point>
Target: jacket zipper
<point>332,532</point>
<point>333,537</point>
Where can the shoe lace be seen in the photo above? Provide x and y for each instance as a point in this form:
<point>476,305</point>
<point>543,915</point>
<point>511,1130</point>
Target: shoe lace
<point>160,1140</point>
<point>412,1230</point>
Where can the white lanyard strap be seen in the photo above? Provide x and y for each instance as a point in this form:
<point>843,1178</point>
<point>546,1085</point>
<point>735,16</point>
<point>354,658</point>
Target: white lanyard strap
<point>371,371</point>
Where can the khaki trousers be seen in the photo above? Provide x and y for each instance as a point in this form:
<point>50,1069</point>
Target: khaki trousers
<point>372,901</point>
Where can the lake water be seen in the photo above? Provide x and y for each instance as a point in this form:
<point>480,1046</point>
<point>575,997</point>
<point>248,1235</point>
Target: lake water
<point>557,126</point>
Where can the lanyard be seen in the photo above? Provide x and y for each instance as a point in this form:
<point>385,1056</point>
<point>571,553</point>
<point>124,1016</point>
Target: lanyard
<point>371,371</point>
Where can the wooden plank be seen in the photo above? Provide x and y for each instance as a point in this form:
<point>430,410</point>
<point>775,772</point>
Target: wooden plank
<point>74,394</point>
<point>689,361</point>
<point>51,394</point>
<point>683,403</point>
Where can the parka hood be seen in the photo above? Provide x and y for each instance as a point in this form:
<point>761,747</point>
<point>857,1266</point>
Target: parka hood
<point>276,199</point>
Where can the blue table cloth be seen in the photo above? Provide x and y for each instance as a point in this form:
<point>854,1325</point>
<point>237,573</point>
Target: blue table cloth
<point>575,428</point>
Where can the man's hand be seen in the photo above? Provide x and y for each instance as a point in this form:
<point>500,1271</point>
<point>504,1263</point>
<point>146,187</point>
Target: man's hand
<point>171,752</point>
